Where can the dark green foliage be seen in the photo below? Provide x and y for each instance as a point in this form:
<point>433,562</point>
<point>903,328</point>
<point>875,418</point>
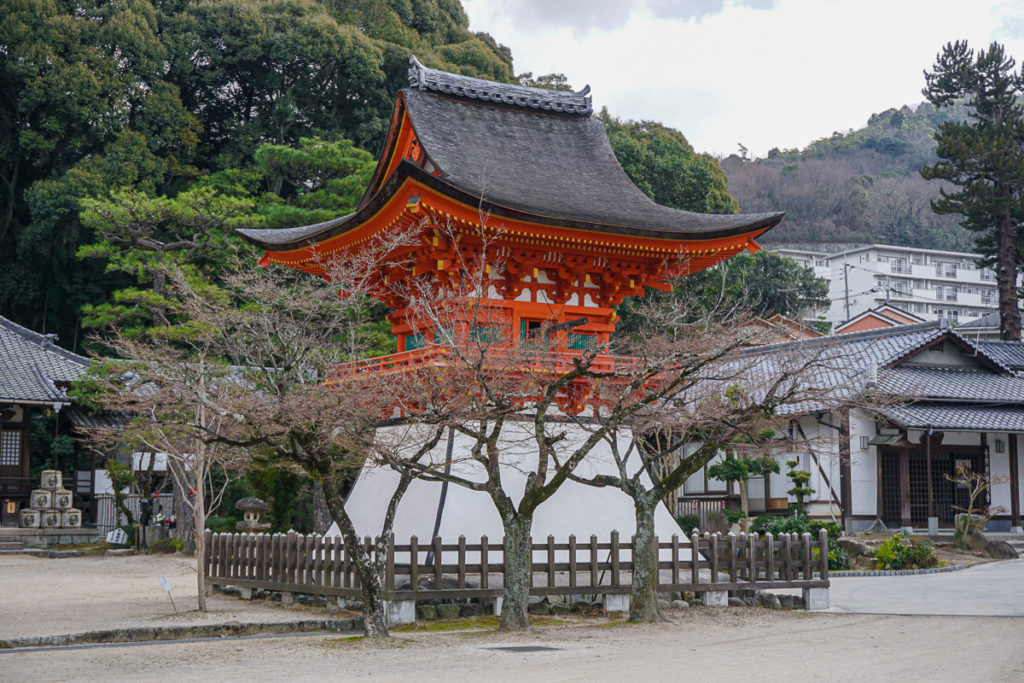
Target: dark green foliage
<point>903,551</point>
<point>688,522</point>
<point>282,489</point>
<point>661,162</point>
<point>983,158</point>
<point>734,516</point>
<point>148,96</point>
<point>122,482</point>
<point>796,524</point>
<point>800,489</point>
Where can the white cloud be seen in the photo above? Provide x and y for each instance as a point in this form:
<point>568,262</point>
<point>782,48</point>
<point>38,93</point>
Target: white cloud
<point>762,72</point>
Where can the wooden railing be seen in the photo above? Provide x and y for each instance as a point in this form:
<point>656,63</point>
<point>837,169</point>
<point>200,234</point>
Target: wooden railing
<point>500,357</point>
<point>293,563</point>
<point>700,506</point>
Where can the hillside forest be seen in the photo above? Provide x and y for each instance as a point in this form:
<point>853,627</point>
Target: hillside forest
<point>861,185</point>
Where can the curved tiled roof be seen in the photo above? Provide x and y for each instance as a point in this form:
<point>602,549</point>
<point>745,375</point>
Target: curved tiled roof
<point>32,367</point>
<point>543,99</point>
<point>519,160</point>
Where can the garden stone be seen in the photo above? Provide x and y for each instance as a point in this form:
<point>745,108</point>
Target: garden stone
<point>560,608</point>
<point>855,549</point>
<point>798,602</point>
<point>786,601</point>
<point>772,601</point>
<point>737,602</point>
<point>675,595</point>
<point>447,610</point>
<point>535,599</point>
<point>580,606</point>
<point>355,605</point>
<point>689,596</point>
<point>472,609</point>
<point>662,604</point>
<point>696,602</point>
<point>426,612</point>
<point>541,608</point>
<point>552,599</point>
<point>1000,550</point>
<point>680,604</point>
<point>751,602</point>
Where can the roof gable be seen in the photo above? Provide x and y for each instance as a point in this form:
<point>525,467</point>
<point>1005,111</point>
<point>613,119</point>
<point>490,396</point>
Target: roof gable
<point>32,368</point>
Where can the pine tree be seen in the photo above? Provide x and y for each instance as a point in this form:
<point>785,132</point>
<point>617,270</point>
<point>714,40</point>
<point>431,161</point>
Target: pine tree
<point>983,156</point>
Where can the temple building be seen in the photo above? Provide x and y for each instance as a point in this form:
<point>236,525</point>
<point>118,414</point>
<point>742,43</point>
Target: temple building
<point>529,175</point>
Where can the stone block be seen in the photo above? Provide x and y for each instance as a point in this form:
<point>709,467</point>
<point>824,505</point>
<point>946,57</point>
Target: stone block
<point>447,610</point>
<point>542,608</point>
<point>472,609</point>
<point>716,598</point>
<point>287,598</point>
<point>498,602</point>
<point>426,612</point>
<point>399,612</point>
<point>787,601</point>
<point>816,599</point>
<point>679,604</point>
<point>617,603</point>
<point>737,602</point>
<point>560,608</point>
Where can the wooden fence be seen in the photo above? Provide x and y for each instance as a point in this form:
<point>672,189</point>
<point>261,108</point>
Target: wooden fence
<point>293,563</point>
<point>109,518</point>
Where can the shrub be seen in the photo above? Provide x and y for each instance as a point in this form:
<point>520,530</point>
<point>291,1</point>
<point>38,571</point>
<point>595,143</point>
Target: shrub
<point>717,522</point>
<point>221,524</point>
<point>688,522</point>
<point>761,522</point>
<point>903,551</point>
<point>837,558</point>
<point>734,516</point>
<point>166,546</point>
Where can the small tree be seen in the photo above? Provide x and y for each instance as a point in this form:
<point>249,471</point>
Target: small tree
<point>969,525</point>
<point>800,490</point>
<point>122,481</point>
<point>740,469</point>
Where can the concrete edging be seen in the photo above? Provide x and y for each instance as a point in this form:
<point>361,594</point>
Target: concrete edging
<point>894,572</point>
<point>142,634</point>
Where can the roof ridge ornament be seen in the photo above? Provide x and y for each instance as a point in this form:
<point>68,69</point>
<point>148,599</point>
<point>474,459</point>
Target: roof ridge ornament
<point>554,101</point>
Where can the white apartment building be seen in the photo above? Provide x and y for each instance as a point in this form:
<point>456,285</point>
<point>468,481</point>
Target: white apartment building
<point>929,283</point>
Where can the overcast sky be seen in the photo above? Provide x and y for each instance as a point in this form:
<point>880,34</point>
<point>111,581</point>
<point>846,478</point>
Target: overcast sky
<point>765,73</point>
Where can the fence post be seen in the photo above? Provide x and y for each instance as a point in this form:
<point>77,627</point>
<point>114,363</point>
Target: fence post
<point>769,557</point>
<point>551,560</point>
<point>437,563</point>
<point>207,552</point>
<point>462,561</point>
<point>817,598</point>
<point>808,566</point>
<point>713,598</point>
<point>615,556</point>
<point>484,564</point>
<point>694,556</point>
<point>595,579</point>
<point>675,559</point>
<point>752,556</point>
<point>572,560</point>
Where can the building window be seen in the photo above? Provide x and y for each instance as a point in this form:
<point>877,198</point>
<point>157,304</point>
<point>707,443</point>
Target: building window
<point>415,341</point>
<point>582,342</point>
<point>10,448</point>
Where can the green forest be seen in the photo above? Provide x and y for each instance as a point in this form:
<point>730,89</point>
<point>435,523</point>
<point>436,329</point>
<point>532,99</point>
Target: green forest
<point>858,186</point>
<point>145,132</point>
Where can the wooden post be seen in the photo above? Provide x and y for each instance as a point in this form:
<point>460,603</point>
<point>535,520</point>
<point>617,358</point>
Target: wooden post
<point>694,557</point>
<point>787,558</point>
<point>414,563</point>
<point>751,555</point>
<point>615,556</point>
<point>808,571</point>
<point>438,566</point>
<point>208,551</point>
<point>675,559</point>
<point>732,558</point>
<point>484,562</point>
<point>845,484</point>
<point>462,561</point>
<point>713,551</point>
<point>572,560</point>
<point>769,557</point>
<point>1014,481</point>
<point>551,560</point>
<point>594,576</point>
<point>336,562</point>
<point>928,470</point>
<point>389,567</point>
<point>823,553</point>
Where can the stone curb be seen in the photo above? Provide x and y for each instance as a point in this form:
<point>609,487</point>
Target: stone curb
<point>895,572</point>
<point>141,634</point>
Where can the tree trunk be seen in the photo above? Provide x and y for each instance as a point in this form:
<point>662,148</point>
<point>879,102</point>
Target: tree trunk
<point>370,572</point>
<point>744,503</point>
<point>200,540</point>
<point>1006,279</point>
<point>518,572</point>
<point>643,602</point>
<point>321,515</point>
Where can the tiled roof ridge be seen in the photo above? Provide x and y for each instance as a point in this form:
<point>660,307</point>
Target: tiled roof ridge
<point>521,96</point>
<point>43,341</point>
<point>894,331</point>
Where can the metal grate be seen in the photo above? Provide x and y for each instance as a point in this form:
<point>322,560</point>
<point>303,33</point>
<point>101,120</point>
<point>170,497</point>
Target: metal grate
<point>891,489</point>
<point>10,448</point>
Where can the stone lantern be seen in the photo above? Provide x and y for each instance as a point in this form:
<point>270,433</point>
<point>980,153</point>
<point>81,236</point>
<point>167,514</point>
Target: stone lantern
<point>252,507</point>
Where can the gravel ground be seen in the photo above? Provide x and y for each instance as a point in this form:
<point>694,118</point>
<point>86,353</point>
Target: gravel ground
<point>41,596</point>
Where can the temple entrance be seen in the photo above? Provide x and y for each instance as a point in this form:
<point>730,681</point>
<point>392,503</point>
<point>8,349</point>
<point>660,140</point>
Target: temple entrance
<point>905,485</point>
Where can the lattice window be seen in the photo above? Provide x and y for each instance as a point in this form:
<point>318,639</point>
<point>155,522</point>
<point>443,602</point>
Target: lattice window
<point>415,341</point>
<point>582,342</point>
<point>10,448</point>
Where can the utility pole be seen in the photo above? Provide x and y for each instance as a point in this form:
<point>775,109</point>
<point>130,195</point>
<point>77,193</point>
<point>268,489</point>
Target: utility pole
<point>846,287</point>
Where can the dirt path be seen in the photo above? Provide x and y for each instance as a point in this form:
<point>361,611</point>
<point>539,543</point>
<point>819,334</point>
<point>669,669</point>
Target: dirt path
<point>701,644</point>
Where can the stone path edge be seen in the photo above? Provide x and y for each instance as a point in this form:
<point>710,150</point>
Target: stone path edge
<point>895,572</point>
<point>152,633</point>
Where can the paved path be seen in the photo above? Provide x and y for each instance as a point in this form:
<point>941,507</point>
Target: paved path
<point>992,589</point>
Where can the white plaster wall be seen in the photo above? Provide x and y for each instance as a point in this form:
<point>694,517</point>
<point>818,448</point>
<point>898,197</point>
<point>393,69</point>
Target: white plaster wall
<point>863,465</point>
<point>575,509</point>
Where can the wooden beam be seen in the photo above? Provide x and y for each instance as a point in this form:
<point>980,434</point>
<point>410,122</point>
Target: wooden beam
<point>1014,481</point>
